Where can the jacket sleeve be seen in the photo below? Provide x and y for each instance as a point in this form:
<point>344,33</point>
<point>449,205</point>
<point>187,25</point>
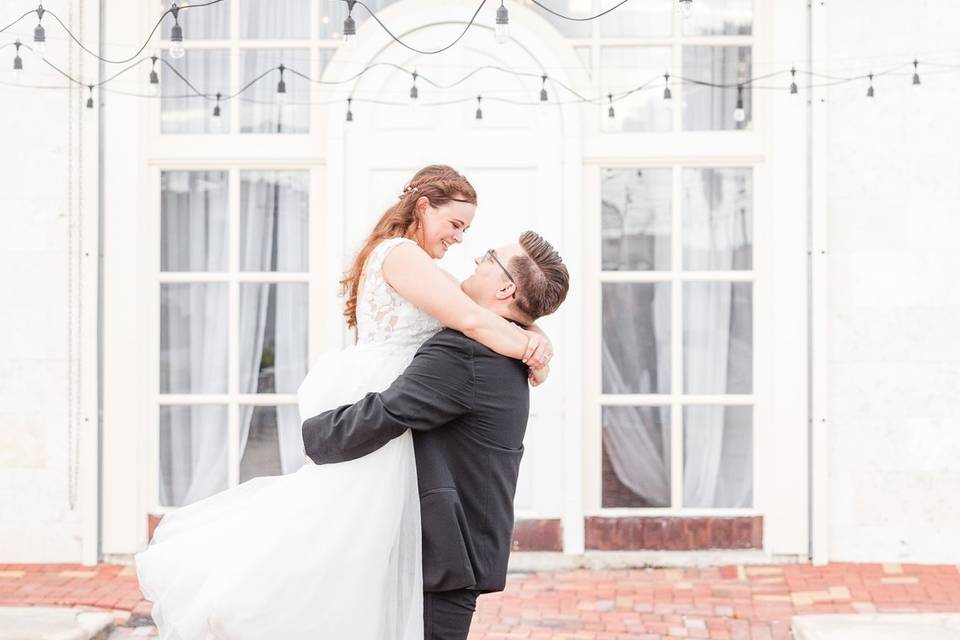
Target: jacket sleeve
<point>436,388</point>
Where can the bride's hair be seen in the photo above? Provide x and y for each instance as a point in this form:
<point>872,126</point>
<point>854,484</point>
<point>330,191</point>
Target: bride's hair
<point>439,184</point>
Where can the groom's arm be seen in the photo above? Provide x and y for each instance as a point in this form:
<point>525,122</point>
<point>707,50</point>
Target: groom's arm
<point>437,387</point>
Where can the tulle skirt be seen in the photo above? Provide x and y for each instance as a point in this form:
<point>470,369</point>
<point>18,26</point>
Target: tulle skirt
<point>328,552</point>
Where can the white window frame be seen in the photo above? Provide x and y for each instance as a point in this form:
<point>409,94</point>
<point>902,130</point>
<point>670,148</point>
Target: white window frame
<point>234,153</point>
<point>233,277</point>
<point>675,150</point>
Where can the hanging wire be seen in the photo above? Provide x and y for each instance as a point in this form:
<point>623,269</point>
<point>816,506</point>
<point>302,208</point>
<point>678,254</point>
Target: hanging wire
<point>426,52</point>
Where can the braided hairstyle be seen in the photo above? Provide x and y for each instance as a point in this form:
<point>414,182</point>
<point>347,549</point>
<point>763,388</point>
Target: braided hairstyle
<point>439,184</point>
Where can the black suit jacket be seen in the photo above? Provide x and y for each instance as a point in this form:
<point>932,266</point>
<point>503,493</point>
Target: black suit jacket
<point>468,409</point>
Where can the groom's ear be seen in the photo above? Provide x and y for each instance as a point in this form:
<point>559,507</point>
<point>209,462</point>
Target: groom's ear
<point>506,290</point>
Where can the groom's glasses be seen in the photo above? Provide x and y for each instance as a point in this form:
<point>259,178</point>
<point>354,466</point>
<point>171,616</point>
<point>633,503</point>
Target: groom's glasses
<point>493,256</point>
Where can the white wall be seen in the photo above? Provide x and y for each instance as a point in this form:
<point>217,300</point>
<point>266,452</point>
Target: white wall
<point>894,292</point>
<point>48,184</point>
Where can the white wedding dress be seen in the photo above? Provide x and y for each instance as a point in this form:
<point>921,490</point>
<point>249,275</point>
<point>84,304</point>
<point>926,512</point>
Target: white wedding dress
<point>329,552</point>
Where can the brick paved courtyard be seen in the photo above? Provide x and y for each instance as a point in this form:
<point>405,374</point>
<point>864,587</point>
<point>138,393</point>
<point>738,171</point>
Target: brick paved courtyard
<point>732,602</point>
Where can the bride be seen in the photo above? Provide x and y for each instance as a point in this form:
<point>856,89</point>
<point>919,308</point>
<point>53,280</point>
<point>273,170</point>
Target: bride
<point>333,551</point>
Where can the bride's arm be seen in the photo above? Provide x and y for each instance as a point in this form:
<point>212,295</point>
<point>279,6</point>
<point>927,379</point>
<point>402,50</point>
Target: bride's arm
<point>410,271</point>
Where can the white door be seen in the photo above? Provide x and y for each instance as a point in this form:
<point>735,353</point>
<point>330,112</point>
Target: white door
<point>513,157</point>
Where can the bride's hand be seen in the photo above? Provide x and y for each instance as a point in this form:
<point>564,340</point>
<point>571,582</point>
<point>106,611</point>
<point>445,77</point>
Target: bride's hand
<point>539,350</point>
<point>538,376</point>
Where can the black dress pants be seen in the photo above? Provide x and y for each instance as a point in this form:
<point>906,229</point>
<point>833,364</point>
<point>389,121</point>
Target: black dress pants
<point>447,614</point>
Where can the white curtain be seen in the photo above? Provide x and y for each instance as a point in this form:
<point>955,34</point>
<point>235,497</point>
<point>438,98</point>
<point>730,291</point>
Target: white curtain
<point>193,347</point>
<point>273,238</point>
<point>194,320</point>
<point>717,333</point>
<point>636,359</point>
<point>711,108</point>
<point>718,354</point>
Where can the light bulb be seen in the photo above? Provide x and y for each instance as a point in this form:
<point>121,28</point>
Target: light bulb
<point>502,31</point>
<point>349,30</point>
<point>176,42</point>
<point>40,48</point>
<point>739,114</point>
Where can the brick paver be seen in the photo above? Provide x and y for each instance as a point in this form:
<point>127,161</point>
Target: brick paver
<point>723,603</point>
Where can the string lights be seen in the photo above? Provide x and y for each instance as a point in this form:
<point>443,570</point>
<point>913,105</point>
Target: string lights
<point>154,77</point>
<point>739,113</point>
<point>40,34</point>
<point>17,60</point>
<point>281,88</point>
<point>349,24</point>
<point>176,34</point>
<point>502,30</point>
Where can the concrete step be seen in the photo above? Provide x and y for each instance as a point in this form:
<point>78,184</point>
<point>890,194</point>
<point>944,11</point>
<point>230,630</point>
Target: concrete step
<point>53,623</point>
<point>878,626</point>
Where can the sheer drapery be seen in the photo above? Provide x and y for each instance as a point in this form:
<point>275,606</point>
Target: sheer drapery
<point>181,110</point>
<point>718,349</point>
<point>193,342</point>
<point>274,238</point>
<point>717,340</point>
<point>711,108</point>
<point>193,330</point>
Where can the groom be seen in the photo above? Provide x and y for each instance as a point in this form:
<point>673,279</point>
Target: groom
<point>468,408</point>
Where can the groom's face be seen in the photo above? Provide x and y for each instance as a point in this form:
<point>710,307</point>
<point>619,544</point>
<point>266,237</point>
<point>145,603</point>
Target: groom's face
<point>489,285</point>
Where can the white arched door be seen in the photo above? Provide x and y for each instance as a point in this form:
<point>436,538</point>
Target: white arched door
<point>515,157</point>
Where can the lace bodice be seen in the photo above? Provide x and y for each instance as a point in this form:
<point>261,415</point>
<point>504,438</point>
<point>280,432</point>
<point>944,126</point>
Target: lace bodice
<point>383,315</point>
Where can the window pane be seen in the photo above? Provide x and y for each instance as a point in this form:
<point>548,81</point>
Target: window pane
<point>273,337</point>
<point>193,338</point>
<point>200,23</point>
<point>181,109</point>
<point>647,18</point>
<point>636,337</point>
<point>720,18</point>
<point>274,19</point>
<point>334,12</point>
<point>712,107</point>
<point>718,337</point>
<point>193,221</point>
<point>718,456</point>
<point>261,111</point>
<point>717,219</point>
<point>260,449</point>
<point>193,453</point>
<point>636,457</point>
<point>636,213</point>
<point>273,220</point>
<point>573,8</point>
<point>625,68</point>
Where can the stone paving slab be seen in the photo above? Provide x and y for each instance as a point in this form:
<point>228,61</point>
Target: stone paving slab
<point>878,627</point>
<point>49,623</point>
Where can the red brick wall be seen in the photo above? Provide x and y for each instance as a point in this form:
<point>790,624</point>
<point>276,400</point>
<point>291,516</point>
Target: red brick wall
<point>673,533</point>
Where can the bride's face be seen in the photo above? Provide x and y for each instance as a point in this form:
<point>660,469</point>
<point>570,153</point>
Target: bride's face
<point>442,227</point>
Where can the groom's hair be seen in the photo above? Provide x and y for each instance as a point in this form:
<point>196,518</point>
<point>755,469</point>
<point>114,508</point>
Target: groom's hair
<point>542,279</point>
